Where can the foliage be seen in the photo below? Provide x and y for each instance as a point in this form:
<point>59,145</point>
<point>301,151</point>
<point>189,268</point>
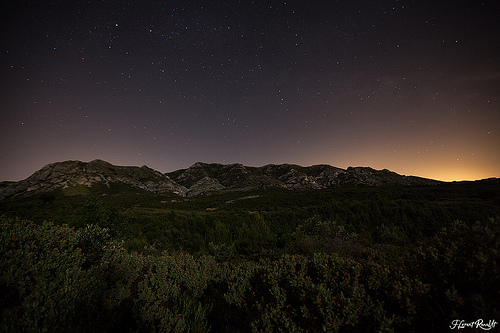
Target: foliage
<point>354,259</point>
<point>95,242</point>
<point>56,279</point>
<point>93,211</point>
<point>462,266</point>
<point>44,284</point>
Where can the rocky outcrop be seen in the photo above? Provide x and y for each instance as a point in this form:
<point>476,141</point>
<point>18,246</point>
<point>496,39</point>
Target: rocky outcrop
<point>205,185</point>
<point>202,178</point>
<point>372,177</point>
<point>205,178</point>
<point>295,177</point>
<point>72,173</point>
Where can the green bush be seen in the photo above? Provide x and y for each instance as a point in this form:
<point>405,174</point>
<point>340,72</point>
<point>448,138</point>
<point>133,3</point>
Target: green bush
<point>44,283</point>
<point>54,279</point>
<point>462,267</point>
<point>95,242</point>
<point>169,293</point>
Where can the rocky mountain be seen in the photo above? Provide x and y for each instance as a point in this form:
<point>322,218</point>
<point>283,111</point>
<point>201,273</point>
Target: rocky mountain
<point>72,173</point>
<point>202,178</point>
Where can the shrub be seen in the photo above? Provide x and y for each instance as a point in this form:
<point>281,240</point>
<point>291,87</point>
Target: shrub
<point>54,279</point>
<point>462,267</point>
<point>95,242</point>
<point>44,283</point>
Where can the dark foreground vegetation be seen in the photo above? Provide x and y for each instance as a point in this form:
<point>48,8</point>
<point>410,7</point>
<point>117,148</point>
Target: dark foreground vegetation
<point>402,259</point>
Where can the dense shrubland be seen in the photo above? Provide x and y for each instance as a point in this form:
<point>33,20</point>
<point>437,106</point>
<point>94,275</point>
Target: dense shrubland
<point>55,279</point>
<point>322,262</point>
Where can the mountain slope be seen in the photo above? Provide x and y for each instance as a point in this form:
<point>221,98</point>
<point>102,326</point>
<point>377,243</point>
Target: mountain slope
<point>72,173</point>
<point>202,178</point>
<point>237,177</point>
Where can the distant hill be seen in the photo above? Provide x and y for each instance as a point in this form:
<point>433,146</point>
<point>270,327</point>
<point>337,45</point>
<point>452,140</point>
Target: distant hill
<point>73,173</point>
<point>202,178</point>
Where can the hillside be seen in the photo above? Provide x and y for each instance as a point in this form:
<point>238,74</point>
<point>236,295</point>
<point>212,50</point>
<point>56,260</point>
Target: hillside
<point>95,247</point>
<point>201,178</point>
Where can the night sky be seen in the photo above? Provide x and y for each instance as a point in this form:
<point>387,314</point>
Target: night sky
<point>411,86</point>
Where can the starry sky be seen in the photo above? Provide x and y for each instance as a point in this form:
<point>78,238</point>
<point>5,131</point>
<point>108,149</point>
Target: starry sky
<point>411,86</point>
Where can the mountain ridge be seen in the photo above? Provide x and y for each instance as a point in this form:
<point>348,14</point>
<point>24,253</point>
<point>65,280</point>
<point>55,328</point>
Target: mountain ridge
<point>203,178</point>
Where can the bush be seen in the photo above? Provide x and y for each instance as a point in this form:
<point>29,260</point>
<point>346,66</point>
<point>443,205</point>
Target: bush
<point>56,280</point>
<point>95,241</point>
<point>462,267</point>
<point>45,287</point>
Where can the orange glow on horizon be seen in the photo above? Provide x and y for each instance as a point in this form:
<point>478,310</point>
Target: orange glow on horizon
<point>458,175</point>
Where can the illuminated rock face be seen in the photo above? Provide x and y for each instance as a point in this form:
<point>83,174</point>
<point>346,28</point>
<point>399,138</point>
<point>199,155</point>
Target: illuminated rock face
<point>202,178</point>
<point>73,173</point>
